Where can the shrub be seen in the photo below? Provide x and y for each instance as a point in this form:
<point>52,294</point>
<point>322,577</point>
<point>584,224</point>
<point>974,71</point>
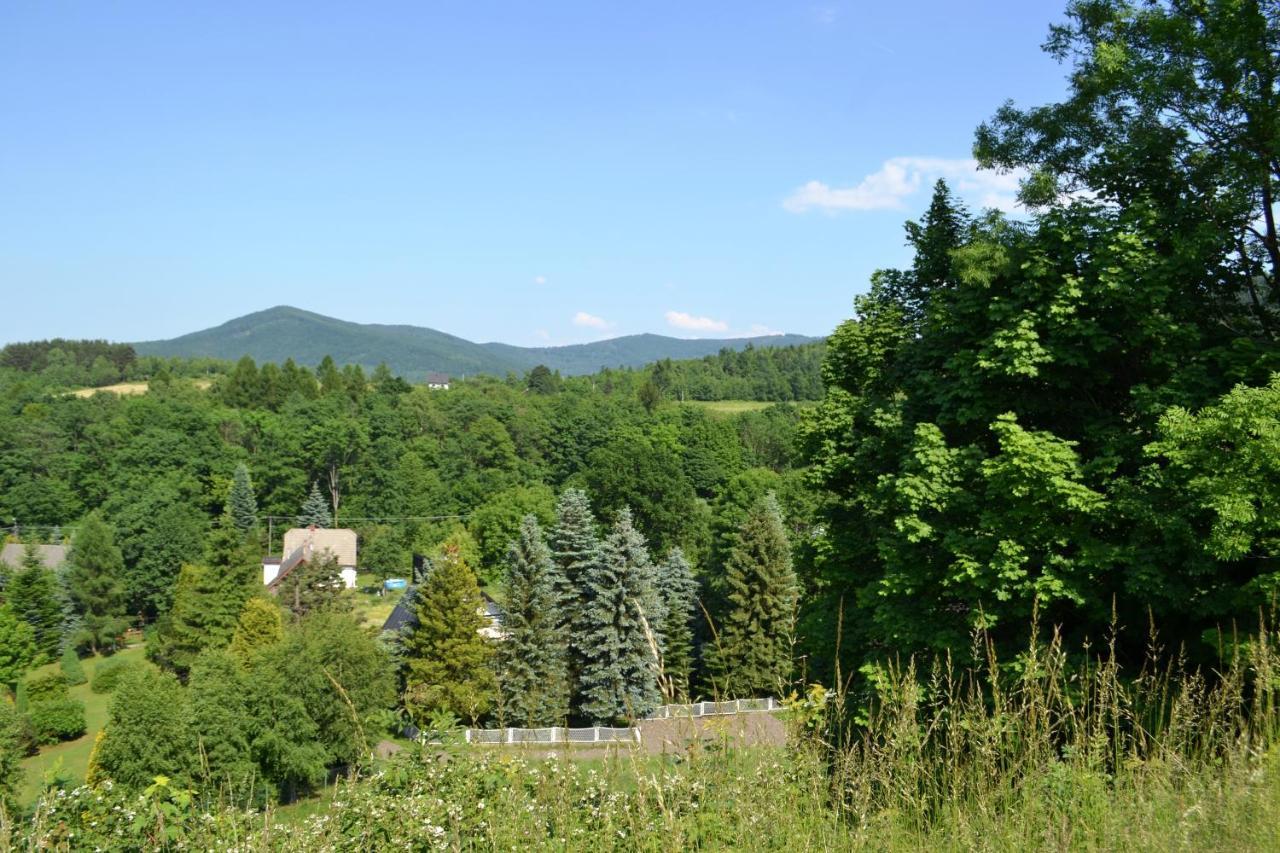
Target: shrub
<point>54,720</point>
<point>109,673</point>
<point>72,668</point>
<point>48,686</point>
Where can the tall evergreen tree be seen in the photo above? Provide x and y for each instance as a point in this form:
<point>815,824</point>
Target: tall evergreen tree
<point>313,585</point>
<point>315,510</point>
<point>753,655</point>
<point>11,755</point>
<point>617,631</point>
<point>220,719</point>
<point>531,657</point>
<point>448,659</point>
<point>17,647</point>
<point>32,595</point>
<point>575,550</point>
<point>679,591</point>
<point>242,506</point>
<point>95,582</point>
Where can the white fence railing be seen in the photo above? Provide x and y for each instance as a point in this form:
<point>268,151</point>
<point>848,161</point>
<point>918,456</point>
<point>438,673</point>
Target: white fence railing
<point>605,734</point>
<point>554,734</point>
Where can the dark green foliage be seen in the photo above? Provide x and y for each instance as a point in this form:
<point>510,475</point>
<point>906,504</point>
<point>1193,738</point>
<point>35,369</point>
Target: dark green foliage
<point>282,735</point>
<point>32,594</point>
<point>11,755</point>
<point>17,647</point>
<point>242,505</point>
<point>617,633</point>
<point>643,470</point>
<point>531,658</point>
<point>753,654</point>
<point>315,584</point>
<point>109,672</point>
<point>204,615</point>
<point>448,659</point>
<point>148,733</point>
<point>71,362</point>
<point>53,715</point>
<point>315,509</point>
<point>158,534</point>
<point>71,667</point>
<point>679,592</point>
<point>220,720</point>
<point>499,520</point>
<point>95,582</point>
<point>575,551</point>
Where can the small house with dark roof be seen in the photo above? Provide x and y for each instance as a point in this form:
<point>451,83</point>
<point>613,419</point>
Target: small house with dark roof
<point>438,381</point>
<point>403,619</point>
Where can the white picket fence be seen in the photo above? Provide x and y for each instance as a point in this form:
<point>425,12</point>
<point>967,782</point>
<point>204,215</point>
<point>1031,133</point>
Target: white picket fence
<point>605,734</point>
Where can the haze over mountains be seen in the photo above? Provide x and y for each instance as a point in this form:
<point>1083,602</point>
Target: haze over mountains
<point>413,351</point>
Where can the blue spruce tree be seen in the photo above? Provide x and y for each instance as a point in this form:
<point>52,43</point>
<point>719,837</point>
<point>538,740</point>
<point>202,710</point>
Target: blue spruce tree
<point>679,591</point>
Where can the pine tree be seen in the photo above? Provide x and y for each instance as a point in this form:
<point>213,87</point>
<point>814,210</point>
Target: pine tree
<point>260,625</point>
<point>448,658</point>
<point>33,596</point>
<point>17,647</point>
<point>315,510</point>
<point>242,506</point>
<point>753,657</point>
<point>679,591</point>
<point>95,582</point>
<point>220,720</point>
<point>619,673</point>
<point>148,733</point>
<point>313,585</point>
<point>531,657</point>
<point>575,550</point>
<point>11,755</point>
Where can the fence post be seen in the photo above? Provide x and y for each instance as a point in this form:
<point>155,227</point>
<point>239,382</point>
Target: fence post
<point>468,736</point>
<point>511,735</point>
<point>595,734</point>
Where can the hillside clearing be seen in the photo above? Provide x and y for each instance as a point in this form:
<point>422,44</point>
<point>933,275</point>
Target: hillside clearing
<point>125,389</point>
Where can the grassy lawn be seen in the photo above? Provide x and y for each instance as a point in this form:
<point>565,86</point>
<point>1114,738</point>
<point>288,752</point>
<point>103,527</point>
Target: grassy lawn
<point>73,754</point>
<point>126,388</point>
<point>370,608</point>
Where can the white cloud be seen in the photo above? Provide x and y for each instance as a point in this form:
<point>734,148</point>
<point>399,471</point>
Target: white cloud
<point>681,320</point>
<point>758,330</point>
<point>539,279</point>
<point>900,178</point>
<point>591,321</point>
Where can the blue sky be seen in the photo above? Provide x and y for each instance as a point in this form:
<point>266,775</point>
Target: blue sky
<point>535,173</point>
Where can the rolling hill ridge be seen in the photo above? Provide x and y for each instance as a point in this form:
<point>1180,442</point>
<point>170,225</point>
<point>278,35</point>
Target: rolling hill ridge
<point>414,351</point>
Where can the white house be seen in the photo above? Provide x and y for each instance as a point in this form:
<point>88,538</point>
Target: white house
<point>304,543</point>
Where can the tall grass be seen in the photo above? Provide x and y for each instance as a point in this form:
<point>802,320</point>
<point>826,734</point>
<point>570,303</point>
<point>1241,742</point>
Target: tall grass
<point>1050,751</point>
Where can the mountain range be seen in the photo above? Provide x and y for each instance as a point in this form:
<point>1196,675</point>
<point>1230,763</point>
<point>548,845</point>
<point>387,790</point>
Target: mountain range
<point>285,332</point>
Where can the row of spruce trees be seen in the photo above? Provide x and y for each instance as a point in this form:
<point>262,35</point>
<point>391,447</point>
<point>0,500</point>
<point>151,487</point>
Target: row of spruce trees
<point>596,630</point>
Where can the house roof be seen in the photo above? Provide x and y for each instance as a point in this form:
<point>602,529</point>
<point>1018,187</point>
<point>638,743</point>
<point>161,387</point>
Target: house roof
<point>51,555</point>
<point>402,616</point>
<point>437,379</point>
<point>339,540</point>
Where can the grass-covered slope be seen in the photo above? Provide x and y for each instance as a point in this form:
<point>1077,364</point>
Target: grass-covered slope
<point>413,351</point>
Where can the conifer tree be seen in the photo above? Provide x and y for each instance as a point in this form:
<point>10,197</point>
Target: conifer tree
<point>95,582</point>
<point>619,674</point>
<point>11,755</point>
<point>32,595</point>
<point>220,720</point>
<point>448,659</point>
<point>242,506</point>
<point>531,657</point>
<point>72,668</point>
<point>148,733</point>
<point>315,510</point>
<point>679,591</point>
<point>753,656</point>
<point>17,647</point>
<point>575,550</point>
<point>313,585</point>
<point>260,625</point>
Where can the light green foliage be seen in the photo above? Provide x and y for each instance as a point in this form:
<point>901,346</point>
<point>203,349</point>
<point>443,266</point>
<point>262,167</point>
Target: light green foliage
<point>71,667</point>
<point>261,624</point>
<point>313,585</point>
<point>498,521</point>
<point>753,654</point>
<point>32,594</point>
<point>621,616</point>
<point>51,711</point>
<point>109,672</point>
<point>242,505</point>
<point>531,659</point>
<point>17,647</point>
<point>11,748</point>
<point>448,659</point>
<point>95,582</point>
<point>148,733</point>
<point>315,509</point>
<point>199,620</point>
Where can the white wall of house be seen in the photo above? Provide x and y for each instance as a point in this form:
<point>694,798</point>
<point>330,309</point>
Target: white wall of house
<point>269,570</point>
<point>348,578</point>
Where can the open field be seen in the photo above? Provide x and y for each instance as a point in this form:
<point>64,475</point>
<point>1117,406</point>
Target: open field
<point>729,407</point>
<point>72,757</point>
<point>130,388</point>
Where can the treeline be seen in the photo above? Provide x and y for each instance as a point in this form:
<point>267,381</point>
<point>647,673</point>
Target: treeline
<point>60,364</point>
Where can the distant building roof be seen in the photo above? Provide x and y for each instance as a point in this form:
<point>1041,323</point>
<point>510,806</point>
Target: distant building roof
<point>51,555</point>
<point>437,379</point>
<point>402,616</point>
<point>340,541</point>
